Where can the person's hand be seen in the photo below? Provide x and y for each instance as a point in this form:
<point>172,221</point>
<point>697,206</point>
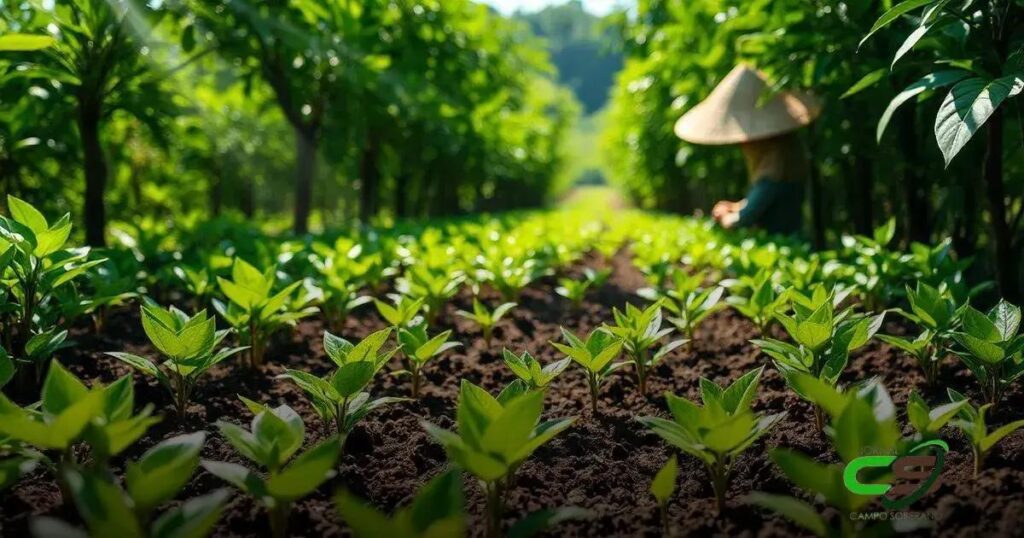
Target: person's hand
<point>721,208</point>
<point>729,220</point>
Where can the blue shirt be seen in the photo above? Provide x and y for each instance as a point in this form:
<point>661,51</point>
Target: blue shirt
<point>774,206</point>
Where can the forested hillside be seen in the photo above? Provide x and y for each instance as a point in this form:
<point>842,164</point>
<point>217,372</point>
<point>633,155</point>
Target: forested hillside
<point>585,51</point>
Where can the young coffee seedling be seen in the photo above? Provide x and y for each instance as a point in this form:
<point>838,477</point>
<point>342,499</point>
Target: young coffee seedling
<point>991,347</point>
<point>763,302</point>
<point>662,487</point>
<point>879,271</point>
<point>573,290</point>
<point>340,397</point>
<point>927,421</point>
<point>691,310</point>
<point>189,345</point>
<point>34,263</point>
<point>434,288</point>
<point>530,371</point>
<point>640,331</point>
<point>70,414</point>
<point>508,274</point>
<point>718,432</point>
<point>404,312</point>
<point>972,422</point>
<point>418,348</point>
<point>486,319</point>
<point>863,422</point>
<point>822,340</point>
<point>595,356</point>
<point>197,281</point>
<point>255,311</point>
<point>342,271</point>
<point>275,435</point>
<point>161,473</point>
<point>935,313</point>
<point>495,435</point>
<point>437,510</point>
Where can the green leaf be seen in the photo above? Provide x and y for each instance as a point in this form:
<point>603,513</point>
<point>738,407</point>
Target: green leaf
<point>24,42</point>
<point>195,517</point>
<point>865,82</point>
<point>163,470</point>
<point>894,13</point>
<point>909,42</point>
<point>439,505</point>
<point>102,505</point>
<point>1006,318</point>
<point>353,377</point>
<point>306,473</point>
<point>930,81</point>
<point>6,367</point>
<point>998,434</point>
<point>12,469</point>
<point>542,520</point>
<point>985,351</point>
<point>793,509</point>
<point>23,213</point>
<point>364,520</point>
<point>664,483</point>
<point>967,107</point>
<point>61,389</point>
<point>237,475</point>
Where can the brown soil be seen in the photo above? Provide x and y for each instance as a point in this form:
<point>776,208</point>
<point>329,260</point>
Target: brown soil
<point>602,463</point>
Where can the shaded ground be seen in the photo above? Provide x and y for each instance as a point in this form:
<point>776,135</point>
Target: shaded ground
<point>603,463</point>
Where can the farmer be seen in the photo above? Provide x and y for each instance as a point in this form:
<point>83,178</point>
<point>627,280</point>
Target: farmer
<point>737,112</point>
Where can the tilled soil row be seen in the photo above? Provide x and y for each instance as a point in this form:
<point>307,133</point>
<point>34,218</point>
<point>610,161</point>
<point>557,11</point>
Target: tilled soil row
<point>603,463</point>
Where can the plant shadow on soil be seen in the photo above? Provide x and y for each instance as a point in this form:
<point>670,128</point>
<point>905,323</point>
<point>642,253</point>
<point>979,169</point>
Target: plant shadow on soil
<point>603,463</point>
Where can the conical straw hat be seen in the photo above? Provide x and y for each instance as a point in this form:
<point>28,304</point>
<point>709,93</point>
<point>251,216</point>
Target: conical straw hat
<point>731,114</point>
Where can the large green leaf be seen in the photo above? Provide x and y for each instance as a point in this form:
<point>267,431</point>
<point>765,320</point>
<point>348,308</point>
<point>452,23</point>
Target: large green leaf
<point>894,13</point>
<point>306,473</point>
<point>163,470</point>
<point>794,509</point>
<point>195,517</point>
<point>664,483</point>
<point>930,81</point>
<point>967,107</point>
<point>24,42</point>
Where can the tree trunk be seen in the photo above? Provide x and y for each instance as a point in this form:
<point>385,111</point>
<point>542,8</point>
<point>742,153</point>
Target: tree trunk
<point>914,191</point>
<point>402,195</point>
<point>95,174</point>
<point>369,176</point>
<point>305,169</point>
<point>216,191</point>
<point>1006,270</point>
<point>864,186</point>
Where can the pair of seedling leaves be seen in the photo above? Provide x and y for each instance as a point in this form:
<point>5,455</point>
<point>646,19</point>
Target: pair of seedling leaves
<point>157,477</point>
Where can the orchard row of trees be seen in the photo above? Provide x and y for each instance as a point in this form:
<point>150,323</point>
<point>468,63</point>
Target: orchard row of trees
<point>921,119</point>
<point>330,109</point>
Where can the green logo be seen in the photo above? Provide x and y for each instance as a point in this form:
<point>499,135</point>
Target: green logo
<point>916,474</point>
